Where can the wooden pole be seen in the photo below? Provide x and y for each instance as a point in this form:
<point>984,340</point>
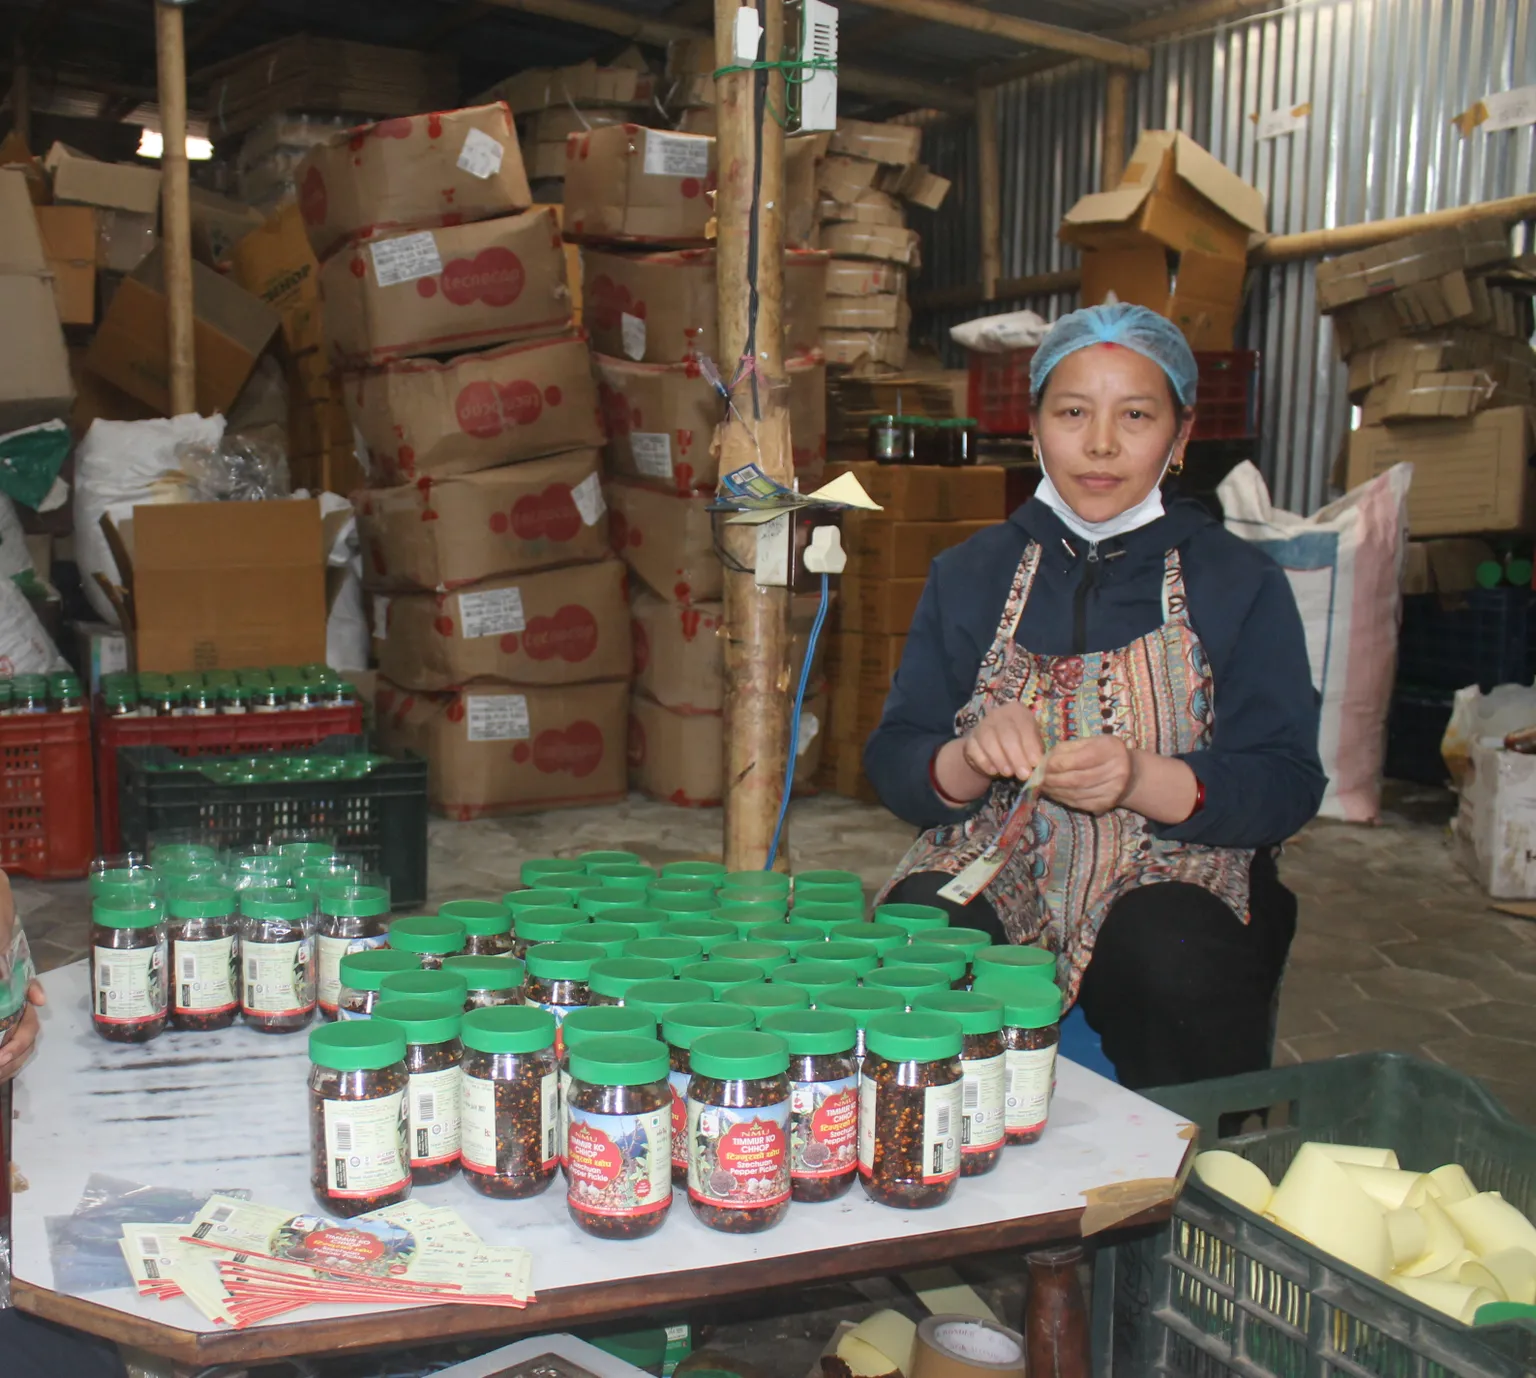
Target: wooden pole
<point>1052,37</point>
<point>1117,97</point>
<point>175,207</point>
<point>989,184</point>
<point>758,692</point>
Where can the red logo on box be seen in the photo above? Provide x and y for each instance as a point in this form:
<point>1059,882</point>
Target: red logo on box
<point>313,200</point>
<point>547,516</point>
<point>570,634</point>
<point>577,750</point>
<point>642,645</point>
<point>607,300</point>
<point>484,410</point>
<point>615,409</point>
<point>494,276</point>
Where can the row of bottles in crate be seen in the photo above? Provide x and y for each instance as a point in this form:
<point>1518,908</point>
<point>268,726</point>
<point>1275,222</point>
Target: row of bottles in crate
<point>23,695</point>
<point>270,689</point>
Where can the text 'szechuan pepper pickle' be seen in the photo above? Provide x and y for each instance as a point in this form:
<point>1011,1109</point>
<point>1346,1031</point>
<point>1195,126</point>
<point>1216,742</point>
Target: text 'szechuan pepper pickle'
<point>861,1004</point>
<point>352,917</point>
<point>129,1000</point>
<point>679,1027</point>
<point>430,938</point>
<point>545,924</point>
<point>204,970</point>
<point>595,1021</point>
<point>823,1101</point>
<point>446,987</point>
<point>885,936</point>
<point>764,1000</point>
<point>908,982</point>
<point>910,1103</point>
<point>722,976</point>
<point>612,978</point>
<point>738,1131</point>
<point>277,958</point>
<point>984,1074</point>
<point>1032,1033</point>
<point>619,1137</point>
<point>362,975</point>
<point>557,977</point>
<point>677,953</point>
<point>491,981</point>
<point>487,926</point>
<point>511,1101</point>
<point>358,1118</point>
<point>432,1056</point>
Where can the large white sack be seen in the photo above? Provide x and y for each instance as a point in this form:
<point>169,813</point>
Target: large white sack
<point>1345,564</point>
<point>25,647</point>
<point>15,558</point>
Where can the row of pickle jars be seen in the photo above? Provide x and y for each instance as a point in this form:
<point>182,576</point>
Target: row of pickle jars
<point>23,695</point>
<point>280,688</point>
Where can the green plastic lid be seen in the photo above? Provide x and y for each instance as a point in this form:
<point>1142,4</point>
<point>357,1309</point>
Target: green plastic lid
<point>425,933</point>
<point>675,952</point>
<point>170,855</point>
<point>828,915</point>
<point>605,897</point>
<point>969,940</point>
<point>912,918</point>
<point>548,924</point>
<point>620,1060</point>
<point>367,969</point>
<point>424,1021</point>
<point>763,999</point>
<point>860,1003</point>
<point>273,903</point>
<point>126,909</point>
<point>573,885</point>
<point>1002,981</point>
<point>201,902</point>
<point>712,871</point>
<point>589,860</point>
<point>947,959</point>
<point>357,1045</point>
<point>863,957</point>
<point>125,878</point>
<point>797,937</point>
<point>682,885</point>
<point>563,961</point>
<point>707,933</point>
<point>661,997</point>
<point>348,900</point>
<point>1029,1005</point>
<point>738,1055</point>
<point>624,877</point>
<point>483,918</point>
<point>1502,1312</point>
<point>615,977</point>
<point>813,1033</point>
<point>915,1037</point>
<point>776,881</point>
<point>611,937</point>
<point>830,878</point>
<point>595,1021</point>
<point>307,851</point>
<point>532,872</point>
<point>645,1350</point>
<point>649,923</point>
<point>721,976</point>
<point>683,903</point>
<point>486,973</point>
<point>885,936</point>
<point>448,986</point>
<point>814,977</point>
<point>684,1023</point>
<point>908,980</point>
<point>765,956</point>
<point>1007,955</point>
<point>850,895</point>
<point>976,1013</point>
<point>747,914</point>
<point>519,900</point>
<point>509,1029</point>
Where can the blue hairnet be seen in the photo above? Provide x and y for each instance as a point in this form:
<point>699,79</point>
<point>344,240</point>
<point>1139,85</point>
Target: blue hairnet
<point>1135,327</point>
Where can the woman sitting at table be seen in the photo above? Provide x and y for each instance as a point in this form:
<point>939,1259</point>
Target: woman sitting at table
<point>1109,700</point>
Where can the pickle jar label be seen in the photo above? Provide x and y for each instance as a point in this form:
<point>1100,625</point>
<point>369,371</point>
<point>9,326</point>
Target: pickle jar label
<point>941,1131</point>
<point>477,1124</point>
<point>551,1121</point>
<point>278,977</point>
<point>869,1100</point>
<point>328,955</point>
<point>366,1145</point>
<point>619,1164</point>
<point>435,1116</point>
<point>824,1127</point>
<point>1031,1071</point>
<point>207,979</point>
<point>677,1082</point>
<point>982,1088</point>
<point>129,983</point>
<point>564,1078</point>
<point>738,1159</point>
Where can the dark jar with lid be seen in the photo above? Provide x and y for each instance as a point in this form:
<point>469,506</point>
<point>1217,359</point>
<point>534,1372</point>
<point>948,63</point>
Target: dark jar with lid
<point>823,1101</point>
<point>362,974</point>
<point>352,917</point>
<point>545,923</point>
<point>910,1102</point>
<point>487,926</point>
<point>557,976</point>
<point>861,1004</point>
<point>679,1027</point>
<point>204,970</point>
<point>129,950</point>
<point>360,1159</point>
<point>738,1131</point>
<point>432,1056</point>
<point>612,978</point>
<point>511,1101</point>
<point>1032,1035</point>
<point>983,1074</point>
<point>430,937</point>
<point>907,981</point>
<point>446,987</point>
<point>491,981</point>
<point>596,1021</point>
<point>940,956</point>
<point>277,939</point>
<point>619,1137</point>
<point>887,440</point>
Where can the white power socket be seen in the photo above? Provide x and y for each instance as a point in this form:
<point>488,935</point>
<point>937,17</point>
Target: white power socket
<point>825,553</point>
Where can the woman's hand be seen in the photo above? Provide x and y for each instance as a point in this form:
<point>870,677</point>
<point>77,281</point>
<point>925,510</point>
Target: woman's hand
<point>1006,744</point>
<point>13,1052</point>
<point>1091,774</point>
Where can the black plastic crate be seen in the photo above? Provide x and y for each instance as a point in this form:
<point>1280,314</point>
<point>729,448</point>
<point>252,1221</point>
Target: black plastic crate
<point>1416,723</point>
<point>382,816</point>
<point>1483,637</point>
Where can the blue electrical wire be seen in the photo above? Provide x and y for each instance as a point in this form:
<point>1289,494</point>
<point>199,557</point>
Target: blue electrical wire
<point>794,722</point>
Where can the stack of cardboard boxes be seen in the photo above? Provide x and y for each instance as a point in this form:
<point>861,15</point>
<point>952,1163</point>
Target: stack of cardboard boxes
<point>689,89</point>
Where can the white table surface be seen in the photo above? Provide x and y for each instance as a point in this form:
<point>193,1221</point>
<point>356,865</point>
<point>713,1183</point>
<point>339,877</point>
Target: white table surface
<point>206,1111</point>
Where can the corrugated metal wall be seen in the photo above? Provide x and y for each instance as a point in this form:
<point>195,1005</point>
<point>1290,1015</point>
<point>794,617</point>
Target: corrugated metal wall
<point>1384,78</point>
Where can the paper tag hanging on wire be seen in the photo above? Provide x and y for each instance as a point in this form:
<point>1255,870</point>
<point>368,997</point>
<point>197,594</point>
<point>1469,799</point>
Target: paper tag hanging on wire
<point>1275,124</point>
<point>746,36</point>
<point>1499,110</point>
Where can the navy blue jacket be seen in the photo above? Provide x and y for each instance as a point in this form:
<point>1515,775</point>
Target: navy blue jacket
<point>1261,772</point>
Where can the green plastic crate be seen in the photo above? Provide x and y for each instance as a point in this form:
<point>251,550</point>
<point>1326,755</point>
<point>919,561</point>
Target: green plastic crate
<point>1222,1293</point>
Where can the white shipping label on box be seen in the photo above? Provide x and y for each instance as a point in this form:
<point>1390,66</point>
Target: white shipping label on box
<point>496,717</point>
<point>492,613</point>
<point>653,453</point>
<point>405,259</point>
<point>380,617</point>
<point>673,155</point>
<point>632,334</point>
<point>588,496</point>
<point>481,155</point>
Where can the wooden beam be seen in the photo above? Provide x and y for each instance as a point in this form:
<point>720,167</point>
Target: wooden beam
<point>1117,97</point>
<point>175,206</point>
<point>989,185</point>
<point>1051,37</point>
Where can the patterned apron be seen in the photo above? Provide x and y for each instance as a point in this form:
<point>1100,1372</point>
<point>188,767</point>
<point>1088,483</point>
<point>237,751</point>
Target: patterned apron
<point>1064,868</point>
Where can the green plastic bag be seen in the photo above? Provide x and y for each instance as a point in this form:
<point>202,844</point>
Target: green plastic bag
<point>30,460</point>
<point>16,972</point>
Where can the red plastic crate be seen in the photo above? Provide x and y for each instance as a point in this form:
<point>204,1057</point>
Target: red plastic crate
<point>998,393</point>
<point>47,824</point>
<point>234,735</point>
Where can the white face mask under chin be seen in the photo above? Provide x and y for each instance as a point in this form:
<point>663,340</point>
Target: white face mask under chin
<point>1145,512</point>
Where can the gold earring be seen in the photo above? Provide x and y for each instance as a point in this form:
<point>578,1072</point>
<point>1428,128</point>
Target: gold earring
<point>1177,467</point>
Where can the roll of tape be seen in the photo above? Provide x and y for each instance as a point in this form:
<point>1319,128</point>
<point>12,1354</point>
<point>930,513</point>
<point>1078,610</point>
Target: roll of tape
<point>963,1346</point>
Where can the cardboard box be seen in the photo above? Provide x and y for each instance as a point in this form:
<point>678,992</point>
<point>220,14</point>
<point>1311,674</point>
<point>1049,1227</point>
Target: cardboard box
<point>444,291</point>
<point>842,178</point>
<point>1469,475</point>
<point>277,264</point>
<point>1495,826</point>
<point>668,541</point>
<point>625,83</point>
<point>871,312</point>
<point>544,162</point>
<point>128,195</point>
<point>701,120</point>
<point>801,153</point>
<point>563,626</point>
<point>1449,351</point>
<point>69,245</point>
<point>1414,258</point>
<point>663,308</point>
<point>690,57</point>
<point>103,650</point>
<point>630,185</point>
<point>230,331</point>
<point>1448,565</point>
<point>879,605</point>
<point>1203,298</point>
<point>34,368</point>
<point>879,548</point>
<point>98,400</point>
<point>924,492</point>
<point>222,584</point>
<point>866,659</point>
<point>1410,396</point>
<point>892,144</point>
<point>858,277</point>
<point>1454,299</point>
<point>218,224</point>
<point>864,208</point>
<point>866,348</point>
<point>492,750</point>
<point>915,184</point>
<point>422,418</point>
<point>414,173</point>
<point>440,534</point>
<point>842,770</point>
<point>857,708</point>
<point>887,242</point>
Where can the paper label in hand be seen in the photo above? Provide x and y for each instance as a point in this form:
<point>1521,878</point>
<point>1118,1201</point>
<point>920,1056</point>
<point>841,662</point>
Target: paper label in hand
<point>676,155</point>
<point>975,878</point>
<point>492,613</point>
<point>406,258</point>
<point>496,718</point>
<point>481,155</point>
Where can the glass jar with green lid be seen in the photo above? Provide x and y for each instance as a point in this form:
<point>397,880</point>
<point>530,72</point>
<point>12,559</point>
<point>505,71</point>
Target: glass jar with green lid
<point>814,977</point>
<point>647,923</point>
<point>613,938</point>
<point>763,999</point>
<point>612,978</point>
<point>836,886</point>
<point>983,1070</point>
<point>823,1101</point>
<point>967,940</point>
<point>764,956</point>
<point>912,919</point>
<point>519,901</point>
<point>682,885</point>
<point>203,922</point>
<point>277,957</point>
<point>490,981</point>
<point>711,871</point>
<point>558,975</point>
<point>707,933</point>
<point>268,698</point>
<point>362,973</point>
<point>545,923</point>
<point>120,702</point>
<point>677,953</point>
<point>660,998</point>
<point>680,1025</point>
<point>129,951</point>
<point>596,902</point>
<point>863,957</point>
<point>432,1056</point>
<point>886,937</point>
<point>1032,1037</point>
<point>430,937</point>
<point>775,882</point>
<point>908,981</point>
<point>352,915</point>
<point>487,926</point>
<point>802,939</point>
<point>683,904</point>
<point>233,700</point>
<point>828,915</point>
<point>887,439</point>
<point>65,694</point>
<point>29,694</point>
<point>589,860</point>
<point>303,848</point>
<point>910,1106</point>
<point>861,1004</point>
<point>532,872</point>
<point>1036,961</point>
<point>596,1021</point>
<point>446,987</point>
<point>259,869</point>
<point>951,961</point>
<point>622,877</point>
<point>721,976</point>
<point>619,1137</point>
<point>743,915</point>
<point>360,1159</point>
<point>573,885</point>
<point>738,1131</point>
<point>511,1101</point>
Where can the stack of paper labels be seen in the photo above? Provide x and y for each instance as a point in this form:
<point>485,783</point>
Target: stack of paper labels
<point>1431,1235</point>
<point>241,1263</point>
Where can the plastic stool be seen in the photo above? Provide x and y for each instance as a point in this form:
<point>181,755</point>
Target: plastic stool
<point>1082,1045</point>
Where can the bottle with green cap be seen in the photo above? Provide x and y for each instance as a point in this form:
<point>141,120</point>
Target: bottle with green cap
<point>983,1071</point>
<point>912,919</point>
<point>911,1101</point>
<point>490,981</point>
<point>361,975</point>
<point>802,939</point>
<point>682,904</point>
<point>675,884</point>
<point>487,926</point>
<point>204,972</point>
<point>432,1056</point>
<point>828,915</point>
<point>680,1025</point>
<point>360,1157</point>
<point>624,877</point>
<point>951,961</point>
<point>860,1004</point>
<point>558,976</point>
<point>595,1021</point>
<point>519,901</point>
<point>862,957</point>
<point>738,1130</point>
<point>611,937</point>
<point>129,951</point>
<point>1031,1037</point>
<point>431,937</point>
<point>575,885</point>
<point>814,977</point>
<point>837,887</point>
<point>511,1101</point>
<point>532,872</point>
<point>647,923</point>
<point>1037,961</point>
<point>277,959</point>
<point>545,923</point>
<point>886,937</point>
<point>823,1100</point>
<point>743,915</point>
<point>908,981</point>
<point>591,860</point>
<point>596,902</point>
<point>446,987</point>
<point>721,976</point>
<point>619,1136</point>
<point>763,999</point>
<point>711,871</point>
<point>660,998</point>
<point>613,977</point>
<point>764,956</point>
<point>677,953</point>
<point>769,882</point>
<point>709,933</point>
<point>967,940</point>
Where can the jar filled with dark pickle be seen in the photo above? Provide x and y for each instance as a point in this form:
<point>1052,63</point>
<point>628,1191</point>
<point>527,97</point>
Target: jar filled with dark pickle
<point>612,978</point>
<point>885,937</point>
<point>861,1004</point>
<point>511,1101</point>
<point>544,923</point>
<point>430,937</point>
<point>352,917</point>
<point>814,977</point>
<point>908,981</point>
<point>862,957</point>
<point>611,937</point>
<point>738,1131</point>
<point>557,976</point>
<point>887,440</point>
<point>708,933</point>
<point>596,1021</point>
<point>680,1026</point>
<point>491,981</point>
<point>722,976</point>
<point>619,1137</point>
<point>913,919</point>
<point>969,941</point>
<point>647,923</point>
<point>764,1000</point>
<point>802,939</point>
<point>910,1103</point>
<point>1032,1036</point>
<point>745,915</point>
<point>1015,960</point>
<point>432,1056</point>
<point>204,969</point>
<point>277,959</point>
<point>360,1159</point>
<point>950,960</point>
<point>446,987</point>
<point>596,903</point>
<point>823,1101</point>
<point>765,957</point>
<point>129,951</point>
<point>487,926</point>
<point>983,1073</point>
<point>677,953</point>
<point>660,998</point>
<point>361,975</point>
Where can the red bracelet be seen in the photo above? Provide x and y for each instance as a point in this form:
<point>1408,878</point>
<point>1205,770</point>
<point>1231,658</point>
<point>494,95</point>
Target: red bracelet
<point>933,781</point>
<point>1199,799</point>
